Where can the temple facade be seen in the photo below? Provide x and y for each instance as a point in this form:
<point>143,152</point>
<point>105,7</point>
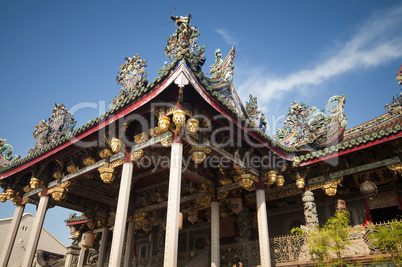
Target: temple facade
<point>179,172</point>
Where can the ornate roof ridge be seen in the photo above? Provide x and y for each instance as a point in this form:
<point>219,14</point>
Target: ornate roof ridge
<point>352,142</point>
<point>376,122</point>
<point>75,218</point>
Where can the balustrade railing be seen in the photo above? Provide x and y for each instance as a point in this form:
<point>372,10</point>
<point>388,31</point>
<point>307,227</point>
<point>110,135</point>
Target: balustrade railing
<point>294,248</point>
<point>284,249</point>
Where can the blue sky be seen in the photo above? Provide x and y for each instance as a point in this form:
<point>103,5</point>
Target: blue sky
<point>70,51</point>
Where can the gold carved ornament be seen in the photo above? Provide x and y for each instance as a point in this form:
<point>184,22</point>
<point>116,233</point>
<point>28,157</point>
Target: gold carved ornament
<point>397,167</point>
<point>72,167</point>
<point>141,137</point>
<point>35,183</point>
<point>163,123</point>
<point>203,202</point>
<point>106,173</point>
<point>59,192</point>
<point>280,180</point>
<point>167,142</point>
<point>137,155</point>
<point>199,153</point>
<point>11,195</point>
<point>58,174</point>
<point>106,152</point>
<point>155,131</point>
<point>270,177</point>
<point>192,126</point>
<point>330,188</point>
<point>88,161</point>
<point>246,180</point>
<point>299,181</point>
<point>3,197</point>
<point>224,180</point>
<point>179,119</point>
<point>115,145</point>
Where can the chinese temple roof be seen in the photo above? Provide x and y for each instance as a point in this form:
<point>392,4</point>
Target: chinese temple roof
<point>73,219</point>
<point>307,132</point>
<point>186,56</point>
<point>381,129</point>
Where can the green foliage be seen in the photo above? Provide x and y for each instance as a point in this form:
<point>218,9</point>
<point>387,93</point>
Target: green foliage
<point>388,238</point>
<point>332,237</point>
<point>297,231</point>
<point>319,244</point>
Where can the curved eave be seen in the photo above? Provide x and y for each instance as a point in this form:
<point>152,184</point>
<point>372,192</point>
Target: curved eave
<point>80,134</point>
<point>104,120</point>
<point>237,121</point>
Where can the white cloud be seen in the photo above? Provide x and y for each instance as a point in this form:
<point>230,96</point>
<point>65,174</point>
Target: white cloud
<point>376,42</point>
<point>226,36</point>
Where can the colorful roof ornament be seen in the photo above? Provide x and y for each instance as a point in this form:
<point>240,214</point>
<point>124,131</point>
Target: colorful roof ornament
<point>252,109</point>
<point>221,82</point>
<point>399,75</point>
<point>395,107</point>
<point>132,77</point>
<point>222,70</point>
<point>59,125</point>
<point>183,43</point>
<point>7,149</point>
<point>310,127</point>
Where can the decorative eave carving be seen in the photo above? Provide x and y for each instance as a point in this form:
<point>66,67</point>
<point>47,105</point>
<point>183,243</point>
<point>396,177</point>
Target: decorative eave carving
<point>310,127</point>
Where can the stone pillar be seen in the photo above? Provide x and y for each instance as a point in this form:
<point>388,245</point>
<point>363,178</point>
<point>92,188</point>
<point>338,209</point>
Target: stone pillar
<point>121,213</point>
<point>262,218</point>
<point>36,229</point>
<point>173,206</point>
<point>129,244</point>
<point>104,244</point>
<point>215,235</point>
<point>72,255</point>
<point>310,210</point>
<point>81,257</point>
<point>12,233</point>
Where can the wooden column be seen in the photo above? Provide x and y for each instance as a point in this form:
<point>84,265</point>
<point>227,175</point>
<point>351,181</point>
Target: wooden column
<point>262,217</point>
<point>215,235</point>
<point>116,250</point>
<point>36,229</point>
<point>173,205</point>
<point>104,244</point>
<point>12,233</point>
<point>129,244</point>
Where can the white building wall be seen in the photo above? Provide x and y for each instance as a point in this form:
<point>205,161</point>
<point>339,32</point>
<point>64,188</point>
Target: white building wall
<point>47,241</point>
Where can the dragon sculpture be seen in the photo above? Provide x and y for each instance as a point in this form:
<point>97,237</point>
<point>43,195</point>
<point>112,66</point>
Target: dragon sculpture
<point>7,158</point>
<point>306,126</point>
<point>184,43</point>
